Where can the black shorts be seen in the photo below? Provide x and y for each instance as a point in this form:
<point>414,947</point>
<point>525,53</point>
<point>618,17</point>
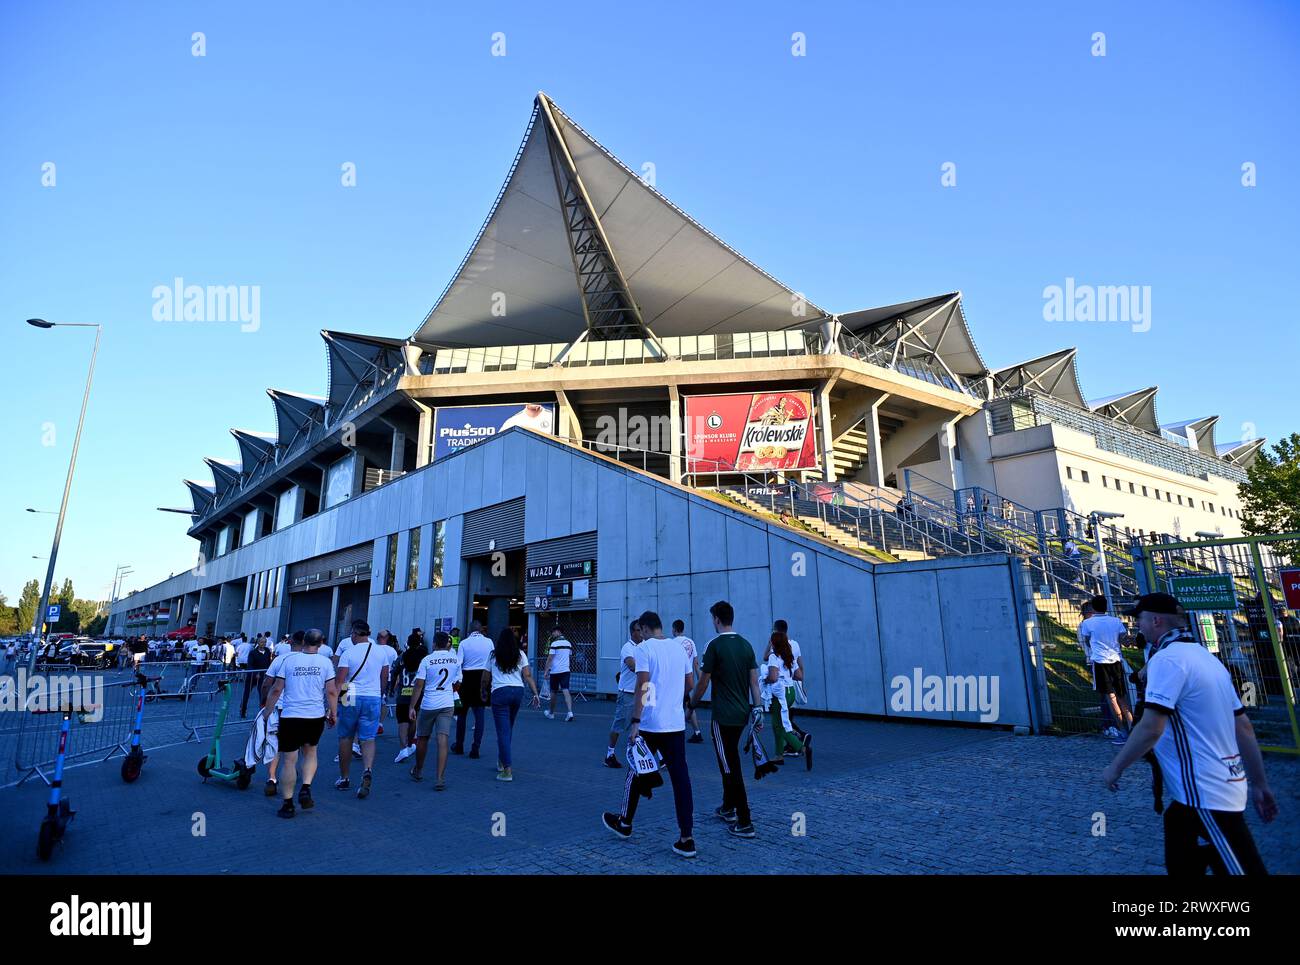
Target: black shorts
<point>1108,678</point>
<point>560,681</point>
<point>403,710</point>
<point>1229,848</point>
<point>299,732</point>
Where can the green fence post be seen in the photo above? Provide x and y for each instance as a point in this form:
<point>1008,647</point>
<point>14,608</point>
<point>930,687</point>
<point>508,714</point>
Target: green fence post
<point>1266,598</point>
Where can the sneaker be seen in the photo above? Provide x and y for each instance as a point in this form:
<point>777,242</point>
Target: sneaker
<point>286,810</point>
<point>615,824</point>
<point>723,814</point>
<point>548,715</point>
<point>363,791</point>
<point>696,738</point>
<point>356,751</point>
<point>742,831</point>
<point>304,798</point>
<point>440,786</point>
<point>505,776</point>
<point>404,753</point>
<point>473,754</point>
<point>793,754</point>
<point>1110,732</point>
<point>270,788</point>
<point>569,718</point>
<point>457,749</point>
<point>612,761</point>
<point>807,752</point>
<point>1120,740</point>
<point>685,847</point>
<point>342,784</point>
<point>381,731</point>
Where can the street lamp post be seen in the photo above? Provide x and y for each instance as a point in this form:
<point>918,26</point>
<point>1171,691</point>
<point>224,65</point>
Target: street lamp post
<point>1096,516</point>
<point>67,485</point>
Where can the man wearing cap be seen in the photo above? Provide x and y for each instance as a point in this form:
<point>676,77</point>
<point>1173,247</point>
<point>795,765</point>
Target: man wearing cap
<point>1205,745</point>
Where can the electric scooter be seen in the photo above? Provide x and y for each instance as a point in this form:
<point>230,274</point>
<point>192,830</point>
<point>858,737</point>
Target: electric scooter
<point>58,811</point>
<point>133,763</point>
<point>237,772</point>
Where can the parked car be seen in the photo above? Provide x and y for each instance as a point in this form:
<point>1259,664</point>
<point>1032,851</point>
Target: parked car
<point>86,653</point>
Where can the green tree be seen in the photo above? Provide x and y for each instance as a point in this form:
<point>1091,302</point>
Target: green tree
<point>8,618</point>
<point>27,604</point>
<point>1270,496</point>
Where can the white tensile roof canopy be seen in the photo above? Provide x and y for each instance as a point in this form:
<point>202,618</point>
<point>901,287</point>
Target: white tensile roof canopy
<point>577,243</point>
<point>928,329</point>
<point>1137,408</point>
<point>1056,375</point>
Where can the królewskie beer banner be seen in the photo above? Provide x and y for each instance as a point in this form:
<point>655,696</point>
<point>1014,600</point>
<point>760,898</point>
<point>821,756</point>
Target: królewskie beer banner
<point>758,432</point>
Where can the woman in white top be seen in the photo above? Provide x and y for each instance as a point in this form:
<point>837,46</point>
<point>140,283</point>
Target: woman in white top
<point>779,676</point>
<point>509,672</point>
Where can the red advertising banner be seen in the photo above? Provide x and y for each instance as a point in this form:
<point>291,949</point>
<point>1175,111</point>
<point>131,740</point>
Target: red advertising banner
<point>758,432</point>
<point>1291,588</point>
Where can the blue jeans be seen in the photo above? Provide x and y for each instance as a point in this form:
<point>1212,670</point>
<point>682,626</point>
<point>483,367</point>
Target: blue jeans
<point>506,702</point>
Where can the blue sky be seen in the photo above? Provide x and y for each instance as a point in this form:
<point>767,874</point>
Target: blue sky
<point>823,169</point>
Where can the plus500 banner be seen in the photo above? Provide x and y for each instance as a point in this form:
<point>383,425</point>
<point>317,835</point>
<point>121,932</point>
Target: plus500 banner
<point>459,427</point>
<point>752,432</point>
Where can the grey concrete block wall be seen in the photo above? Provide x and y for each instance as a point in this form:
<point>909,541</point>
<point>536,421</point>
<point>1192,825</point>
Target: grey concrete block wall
<point>861,625</point>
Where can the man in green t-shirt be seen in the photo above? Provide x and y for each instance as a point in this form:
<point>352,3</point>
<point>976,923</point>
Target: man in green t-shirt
<point>730,666</point>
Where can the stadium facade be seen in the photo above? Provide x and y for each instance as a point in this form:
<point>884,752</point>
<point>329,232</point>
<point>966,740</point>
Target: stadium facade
<point>677,395</point>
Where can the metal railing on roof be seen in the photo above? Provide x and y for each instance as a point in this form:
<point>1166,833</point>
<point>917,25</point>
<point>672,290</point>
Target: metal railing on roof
<point>1026,408</point>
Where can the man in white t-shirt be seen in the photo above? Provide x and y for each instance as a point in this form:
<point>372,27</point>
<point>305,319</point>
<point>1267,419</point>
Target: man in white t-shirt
<point>663,679</point>
<point>1205,745</point>
<point>1101,636</point>
<point>475,651</point>
<point>362,679</point>
<point>303,689</point>
<point>626,692</point>
<point>199,658</point>
<point>347,643</point>
<point>531,416</point>
<point>693,658</point>
<point>433,702</point>
<point>557,672</point>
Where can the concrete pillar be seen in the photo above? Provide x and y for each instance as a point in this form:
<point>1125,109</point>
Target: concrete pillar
<point>947,449</point>
<point>397,458</point>
<point>424,438</point>
<point>824,436</point>
<point>332,634</point>
<point>675,430</point>
<point>568,425</point>
<point>875,460</point>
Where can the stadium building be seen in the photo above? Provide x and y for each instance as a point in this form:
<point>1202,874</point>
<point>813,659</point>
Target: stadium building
<point>609,408</point>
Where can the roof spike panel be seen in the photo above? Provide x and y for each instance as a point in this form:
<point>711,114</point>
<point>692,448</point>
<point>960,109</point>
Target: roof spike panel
<point>294,414</point>
<point>1056,375</point>
<point>358,364</point>
<point>930,329</point>
<point>519,284</point>
<point>1137,408</point>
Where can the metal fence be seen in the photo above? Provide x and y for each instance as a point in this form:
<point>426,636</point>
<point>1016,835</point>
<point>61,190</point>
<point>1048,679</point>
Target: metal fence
<point>179,706</point>
<point>1255,634</point>
<point>102,718</point>
<point>206,695</point>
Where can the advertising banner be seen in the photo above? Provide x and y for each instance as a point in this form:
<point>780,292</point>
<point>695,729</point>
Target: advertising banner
<point>459,427</point>
<point>754,432</point>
